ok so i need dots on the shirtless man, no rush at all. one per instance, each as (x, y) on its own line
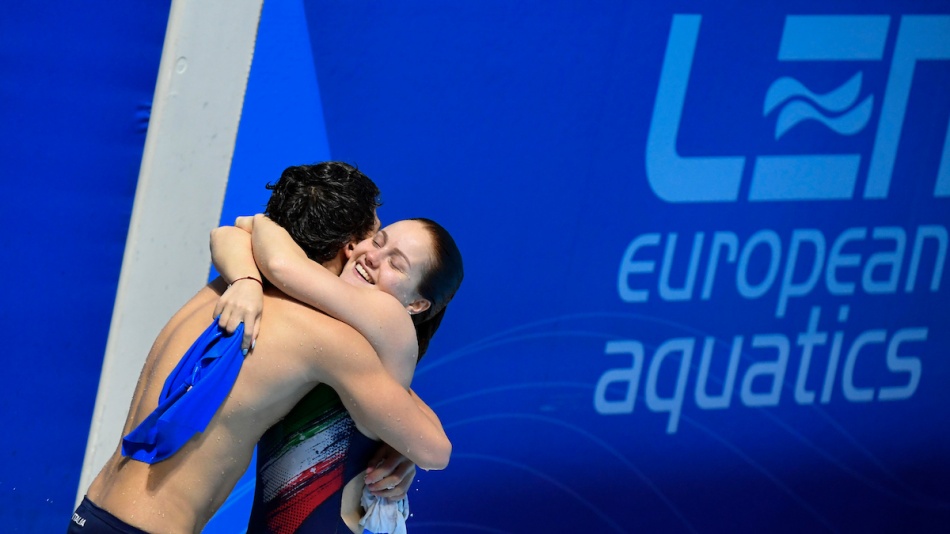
(298, 348)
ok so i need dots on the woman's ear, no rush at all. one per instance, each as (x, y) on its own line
(349, 248)
(418, 306)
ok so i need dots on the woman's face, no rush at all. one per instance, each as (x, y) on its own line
(394, 260)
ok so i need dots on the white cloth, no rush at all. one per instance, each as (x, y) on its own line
(383, 516)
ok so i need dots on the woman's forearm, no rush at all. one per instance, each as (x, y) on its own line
(376, 315)
(277, 255)
(231, 253)
(285, 264)
(244, 302)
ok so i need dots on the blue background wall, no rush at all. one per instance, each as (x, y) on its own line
(570, 370)
(76, 86)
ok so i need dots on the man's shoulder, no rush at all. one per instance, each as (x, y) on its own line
(300, 321)
(325, 349)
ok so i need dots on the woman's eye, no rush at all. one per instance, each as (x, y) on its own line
(396, 265)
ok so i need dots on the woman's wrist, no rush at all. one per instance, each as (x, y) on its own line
(236, 280)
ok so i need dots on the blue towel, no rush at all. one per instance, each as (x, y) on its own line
(191, 396)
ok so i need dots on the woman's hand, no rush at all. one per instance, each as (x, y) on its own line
(245, 223)
(242, 302)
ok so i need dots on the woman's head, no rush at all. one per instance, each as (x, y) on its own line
(439, 284)
(416, 261)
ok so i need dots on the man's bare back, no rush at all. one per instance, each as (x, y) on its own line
(298, 348)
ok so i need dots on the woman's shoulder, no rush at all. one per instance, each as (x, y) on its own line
(392, 335)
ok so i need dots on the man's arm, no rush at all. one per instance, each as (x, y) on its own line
(375, 399)
(425, 409)
(390, 474)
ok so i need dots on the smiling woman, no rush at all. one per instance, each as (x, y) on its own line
(393, 289)
(394, 261)
(411, 266)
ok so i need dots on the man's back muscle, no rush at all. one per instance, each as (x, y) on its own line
(182, 492)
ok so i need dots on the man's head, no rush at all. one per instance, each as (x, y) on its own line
(324, 207)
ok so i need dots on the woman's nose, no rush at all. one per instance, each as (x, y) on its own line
(372, 258)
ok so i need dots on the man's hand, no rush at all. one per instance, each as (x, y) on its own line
(390, 474)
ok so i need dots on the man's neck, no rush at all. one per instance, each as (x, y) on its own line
(335, 264)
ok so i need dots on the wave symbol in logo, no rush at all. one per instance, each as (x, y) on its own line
(798, 106)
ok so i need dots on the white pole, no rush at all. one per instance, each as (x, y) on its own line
(202, 78)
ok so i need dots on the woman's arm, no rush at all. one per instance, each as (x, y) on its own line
(243, 301)
(378, 316)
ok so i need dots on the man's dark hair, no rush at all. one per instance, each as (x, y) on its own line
(324, 206)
